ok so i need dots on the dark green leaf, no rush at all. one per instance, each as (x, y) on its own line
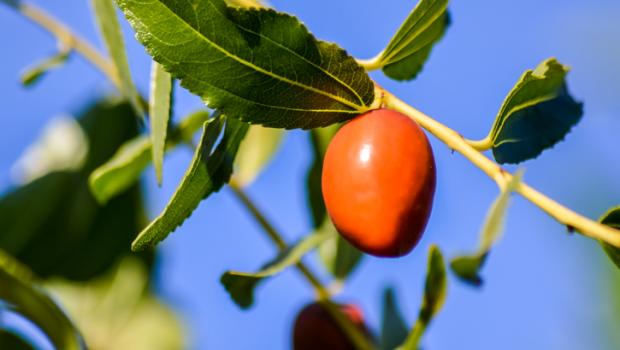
(320, 138)
(35, 73)
(12, 3)
(241, 285)
(434, 296)
(12, 341)
(537, 113)
(339, 256)
(612, 218)
(468, 267)
(409, 49)
(284, 77)
(65, 231)
(22, 295)
(159, 114)
(110, 29)
(124, 168)
(394, 329)
(207, 173)
(258, 147)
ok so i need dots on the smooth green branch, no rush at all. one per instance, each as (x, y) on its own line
(360, 340)
(455, 141)
(67, 38)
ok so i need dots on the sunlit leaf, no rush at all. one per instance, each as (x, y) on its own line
(33, 74)
(124, 168)
(110, 29)
(394, 329)
(116, 311)
(435, 290)
(159, 114)
(61, 146)
(467, 267)
(208, 172)
(23, 295)
(284, 77)
(612, 218)
(258, 147)
(536, 114)
(241, 285)
(405, 55)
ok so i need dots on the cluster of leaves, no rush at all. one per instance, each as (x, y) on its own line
(284, 78)
(56, 236)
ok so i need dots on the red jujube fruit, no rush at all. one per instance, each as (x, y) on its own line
(315, 328)
(378, 182)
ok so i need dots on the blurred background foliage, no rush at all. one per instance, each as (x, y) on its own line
(544, 290)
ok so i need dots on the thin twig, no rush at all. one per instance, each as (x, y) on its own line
(358, 338)
(67, 38)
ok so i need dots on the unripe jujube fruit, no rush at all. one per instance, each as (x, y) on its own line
(378, 182)
(316, 329)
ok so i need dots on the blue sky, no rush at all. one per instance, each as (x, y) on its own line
(544, 289)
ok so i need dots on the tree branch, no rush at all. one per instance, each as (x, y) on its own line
(455, 141)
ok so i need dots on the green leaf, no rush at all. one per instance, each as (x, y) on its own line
(24, 296)
(338, 256)
(284, 77)
(241, 285)
(207, 173)
(468, 267)
(66, 232)
(159, 114)
(394, 329)
(117, 311)
(13, 341)
(405, 55)
(258, 147)
(536, 114)
(110, 29)
(33, 74)
(124, 168)
(434, 296)
(320, 139)
(612, 218)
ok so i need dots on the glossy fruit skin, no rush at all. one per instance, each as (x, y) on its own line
(378, 182)
(315, 328)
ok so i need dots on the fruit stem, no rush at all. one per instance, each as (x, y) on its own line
(67, 38)
(355, 335)
(456, 142)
